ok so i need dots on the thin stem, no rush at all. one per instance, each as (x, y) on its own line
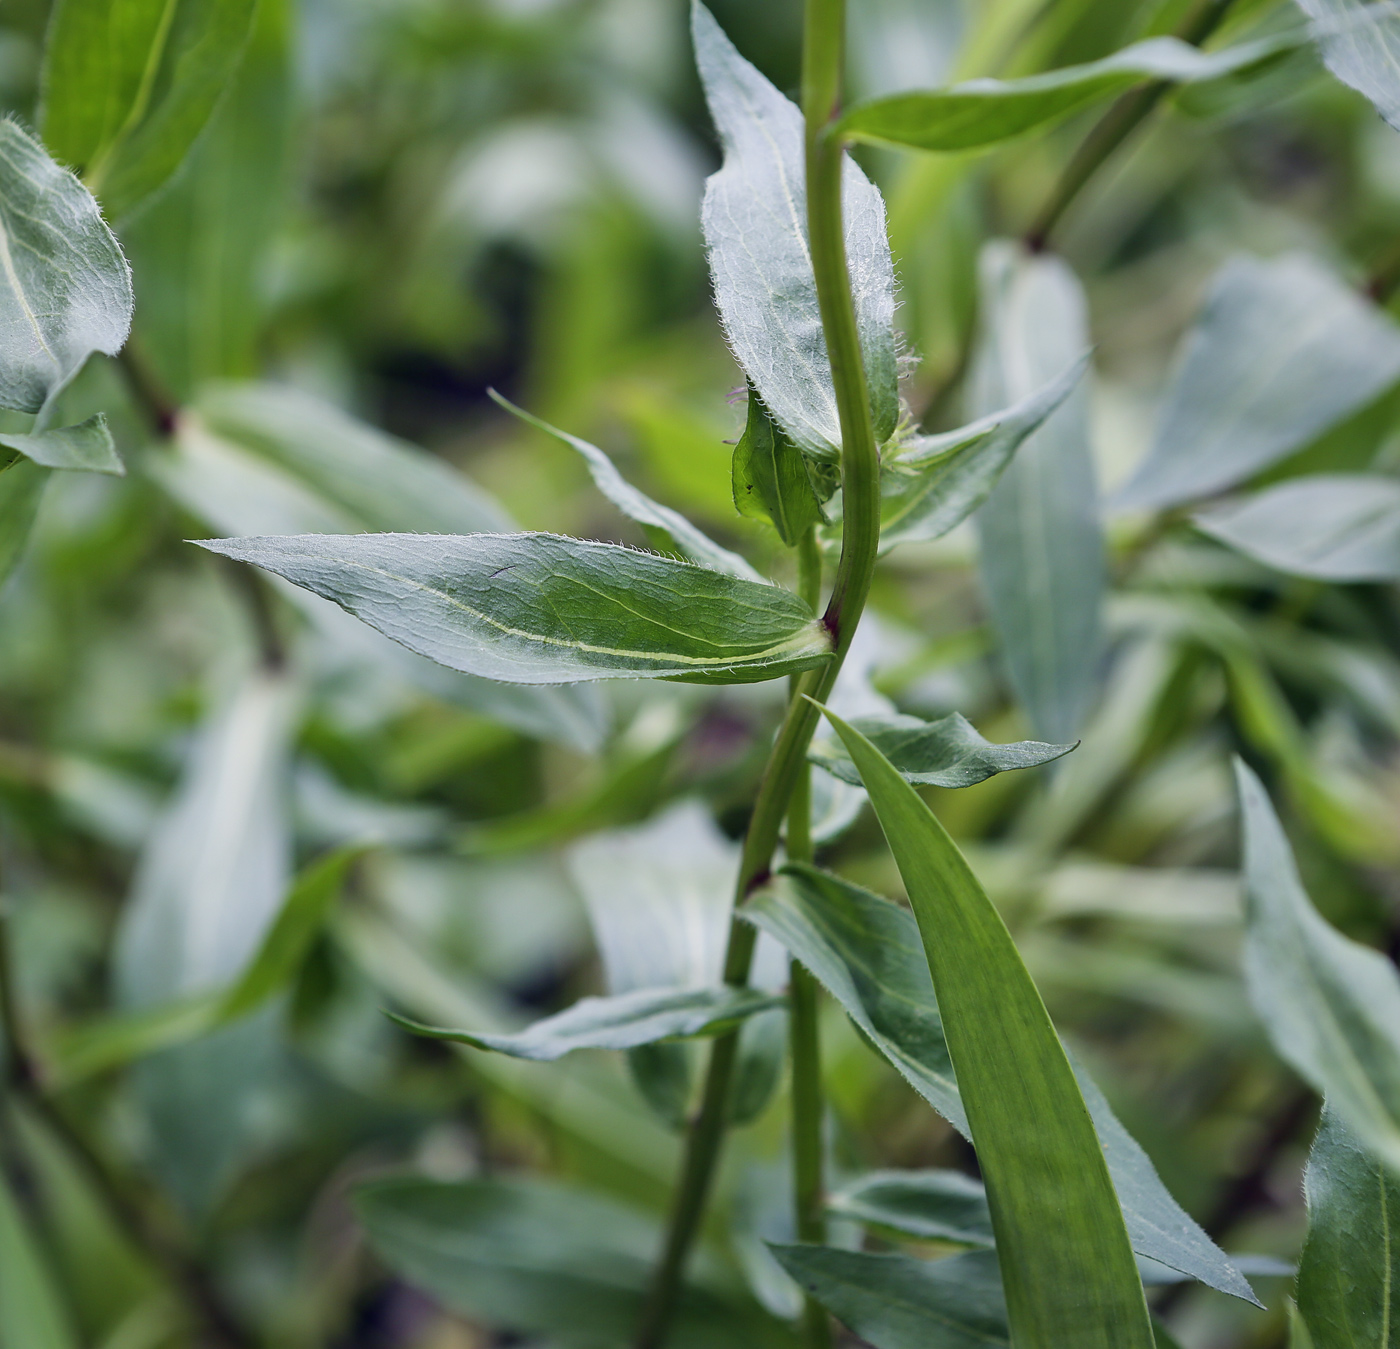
(822, 58)
(1116, 125)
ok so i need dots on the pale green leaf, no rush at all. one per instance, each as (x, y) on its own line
(770, 479)
(541, 1258)
(22, 484)
(1041, 550)
(1331, 1006)
(666, 528)
(930, 1205)
(128, 85)
(1350, 1270)
(868, 954)
(938, 481)
(88, 446)
(623, 1021)
(948, 752)
(985, 111)
(1359, 41)
(755, 221)
(1283, 350)
(893, 1302)
(541, 609)
(1335, 527)
(32, 1314)
(65, 289)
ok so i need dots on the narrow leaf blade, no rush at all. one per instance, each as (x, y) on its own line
(929, 1205)
(87, 446)
(770, 479)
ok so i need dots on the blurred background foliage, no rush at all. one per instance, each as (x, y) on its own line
(403, 202)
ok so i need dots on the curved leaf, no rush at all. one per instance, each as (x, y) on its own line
(1358, 40)
(541, 609)
(942, 1206)
(1335, 527)
(32, 1314)
(770, 479)
(65, 289)
(948, 752)
(88, 446)
(755, 222)
(985, 111)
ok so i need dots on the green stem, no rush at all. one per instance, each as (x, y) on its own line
(822, 59)
(1116, 125)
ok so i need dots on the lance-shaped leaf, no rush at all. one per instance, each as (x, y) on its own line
(1081, 1289)
(755, 222)
(543, 1258)
(32, 1314)
(541, 609)
(938, 481)
(87, 446)
(1351, 1261)
(1333, 526)
(1331, 1006)
(770, 478)
(893, 1302)
(1282, 351)
(128, 85)
(1358, 40)
(624, 1021)
(948, 752)
(666, 528)
(65, 290)
(930, 1205)
(868, 953)
(1041, 551)
(984, 111)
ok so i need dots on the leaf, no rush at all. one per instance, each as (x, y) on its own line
(32, 1314)
(541, 609)
(948, 752)
(893, 1302)
(200, 252)
(366, 479)
(1357, 39)
(930, 1205)
(540, 1257)
(667, 529)
(22, 484)
(770, 479)
(1331, 1006)
(985, 111)
(88, 445)
(128, 85)
(1335, 527)
(1282, 351)
(65, 289)
(1083, 1288)
(1041, 549)
(938, 481)
(755, 222)
(1351, 1260)
(625, 1021)
(868, 954)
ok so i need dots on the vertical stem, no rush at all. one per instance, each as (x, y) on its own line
(823, 51)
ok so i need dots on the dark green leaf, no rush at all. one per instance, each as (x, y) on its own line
(1283, 350)
(623, 1021)
(893, 1302)
(770, 478)
(1358, 42)
(66, 289)
(1331, 1006)
(938, 481)
(541, 609)
(930, 1205)
(984, 111)
(1335, 527)
(22, 484)
(868, 954)
(1351, 1260)
(88, 445)
(538, 1257)
(667, 529)
(948, 752)
(755, 222)
(1041, 551)
(128, 85)
(664, 1073)
(32, 1314)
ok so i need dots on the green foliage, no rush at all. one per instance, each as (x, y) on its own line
(88, 445)
(770, 478)
(31, 1310)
